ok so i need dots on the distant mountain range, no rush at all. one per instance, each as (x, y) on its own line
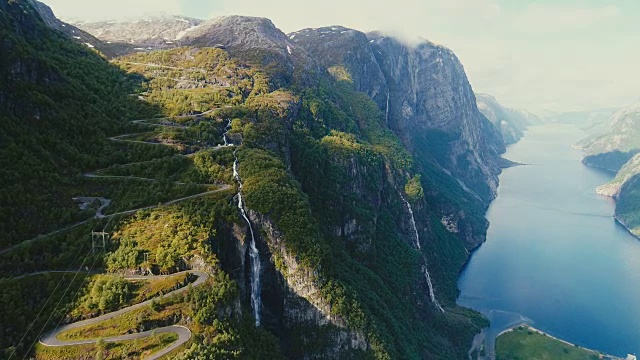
(614, 145)
(512, 123)
(148, 33)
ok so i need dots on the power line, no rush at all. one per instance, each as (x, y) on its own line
(47, 302)
(96, 257)
(56, 288)
(71, 283)
(58, 304)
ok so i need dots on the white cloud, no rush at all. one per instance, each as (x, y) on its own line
(553, 18)
(558, 56)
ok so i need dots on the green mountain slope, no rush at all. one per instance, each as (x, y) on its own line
(616, 149)
(346, 264)
(59, 102)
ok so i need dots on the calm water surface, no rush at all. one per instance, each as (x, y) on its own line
(554, 256)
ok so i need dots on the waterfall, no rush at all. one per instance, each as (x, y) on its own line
(425, 269)
(432, 294)
(254, 255)
(224, 136)
(387, 109)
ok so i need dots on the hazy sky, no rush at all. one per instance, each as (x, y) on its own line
(536, 55)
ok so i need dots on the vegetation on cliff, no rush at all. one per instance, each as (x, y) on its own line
(317, 159)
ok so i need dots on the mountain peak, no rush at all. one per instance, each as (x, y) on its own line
(239, 33)
(151, 31)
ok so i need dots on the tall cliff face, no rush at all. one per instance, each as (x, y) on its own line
(618, 141)
(510, 122)
(432, 93)
(425, 95)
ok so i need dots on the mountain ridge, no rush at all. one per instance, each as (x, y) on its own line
(512, 123)
(364, 188)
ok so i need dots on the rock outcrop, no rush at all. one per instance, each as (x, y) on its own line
(425, 95)
(145, 33)
(510, 122)
(618, 143)
(107, 48)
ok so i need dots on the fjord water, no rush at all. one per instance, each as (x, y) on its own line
(554, 256)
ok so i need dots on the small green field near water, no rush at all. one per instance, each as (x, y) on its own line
(526, 343)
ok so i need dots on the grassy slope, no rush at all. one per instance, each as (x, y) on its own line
(134, 349)
(522, 343)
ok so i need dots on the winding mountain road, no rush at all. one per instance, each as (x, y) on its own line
(184, 334)
(101, 216)
(172, 202)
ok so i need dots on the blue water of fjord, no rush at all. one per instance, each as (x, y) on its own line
(554, 256)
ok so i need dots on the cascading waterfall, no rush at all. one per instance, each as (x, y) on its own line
(224, 136)
(254, 255)
(427, 276)
(387, 109)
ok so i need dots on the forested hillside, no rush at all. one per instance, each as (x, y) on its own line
(59, 104)
(615, 148)
(314, 223)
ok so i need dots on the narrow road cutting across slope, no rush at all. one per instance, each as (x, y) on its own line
(184, 334)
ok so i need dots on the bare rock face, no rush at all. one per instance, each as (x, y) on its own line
(159, 31)
(240, 33)
(257, 40)
(338, 46)
(510, 122)
(298, 301)
(430, 91)
(424, 92)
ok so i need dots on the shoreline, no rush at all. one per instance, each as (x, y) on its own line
(617, 219)
(615, 199)
(484, 334)
(525, 325)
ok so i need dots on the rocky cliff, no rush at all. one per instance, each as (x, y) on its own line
(618, 141)
(108, 48)
(425, 95)
(510, 122)
(147, 33)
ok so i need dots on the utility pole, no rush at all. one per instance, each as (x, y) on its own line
(98, 240)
